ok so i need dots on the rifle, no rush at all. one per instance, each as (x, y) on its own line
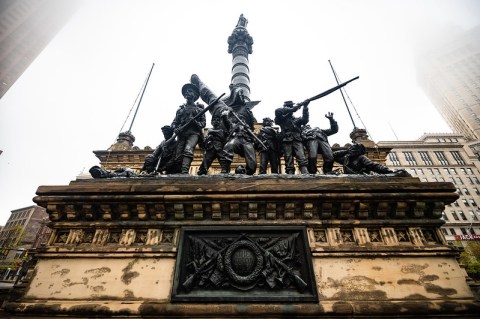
(327, 92)
(299, 281)
(249, 131)
(188, 283)
(167, 142)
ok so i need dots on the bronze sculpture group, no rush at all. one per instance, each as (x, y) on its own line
(232, 133)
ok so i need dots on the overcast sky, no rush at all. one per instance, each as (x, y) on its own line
(76, 95)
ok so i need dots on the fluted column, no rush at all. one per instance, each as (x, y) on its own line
(240, 46)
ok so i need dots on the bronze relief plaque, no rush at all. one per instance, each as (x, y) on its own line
(244, 264)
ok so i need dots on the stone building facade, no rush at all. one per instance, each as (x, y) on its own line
(444, 158)
(25, 229)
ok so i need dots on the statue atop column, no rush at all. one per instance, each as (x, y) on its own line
(240, 46)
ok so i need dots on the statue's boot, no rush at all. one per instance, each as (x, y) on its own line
(303, 170)
(225, 166)
(328, 167)
(187, 161)
(290, 171)
(312, 165)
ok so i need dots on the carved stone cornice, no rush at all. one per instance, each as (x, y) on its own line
(232, 198)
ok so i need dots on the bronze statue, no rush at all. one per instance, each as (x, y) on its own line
(290, 135)
(100, 172)
(241, 138)
(162, 159)
(242, 21)
(316, 141)
(214, 143)
(239, 124)
(354, 161)
(269, 137)
(188, 135)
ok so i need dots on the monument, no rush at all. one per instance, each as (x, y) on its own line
(159, 245)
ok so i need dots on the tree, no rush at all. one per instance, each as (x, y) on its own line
(471, 259)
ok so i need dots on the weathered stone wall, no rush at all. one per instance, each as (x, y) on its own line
(102, 278)
(390, 278)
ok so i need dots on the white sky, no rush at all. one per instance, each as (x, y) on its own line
(76, 95)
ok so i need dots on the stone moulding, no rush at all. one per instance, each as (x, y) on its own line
(242, 198)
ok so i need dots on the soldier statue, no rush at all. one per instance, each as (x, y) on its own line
(162, 159)
(290, 135)
(354, 161)
(240, 138)
(269, 137)
(239, 124)
(316, 141)
(214, 144)
(188, 137)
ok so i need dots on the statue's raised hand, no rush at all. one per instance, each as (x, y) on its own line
(329, 115)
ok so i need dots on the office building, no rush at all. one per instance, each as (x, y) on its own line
(26, 27)
(444, 158)
(449, 73)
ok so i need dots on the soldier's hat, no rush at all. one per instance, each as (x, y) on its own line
(288, 103)
(360, 147)
(167, 128)
(192, 87)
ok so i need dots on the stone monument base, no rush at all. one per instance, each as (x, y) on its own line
(247, 247)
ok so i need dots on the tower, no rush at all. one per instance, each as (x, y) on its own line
(449, 74)
(240, 46)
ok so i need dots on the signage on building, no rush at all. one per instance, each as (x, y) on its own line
(467, 237)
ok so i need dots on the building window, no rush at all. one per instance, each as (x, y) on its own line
(454, 215)
(394, 158)
(445, 171)
(409, 158)
(444, 216)
(464, 201)
(424, 180)
(444, 231)
(413, 172)
(459, 181)
(470, 180)
(453, 171)
(464, 231)
(463, 171)
(452, 231)
(455, 203)
(465, 191)
(462, 216)
(472, 215)
(475, 190)
(434, 179)
(469, 171)
(441, 179)
(437, 171)
(472, 202)
(420, 171)
(425, 158)
(457, 157)
(441, 157)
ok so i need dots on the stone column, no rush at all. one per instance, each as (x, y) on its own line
(240, 46)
